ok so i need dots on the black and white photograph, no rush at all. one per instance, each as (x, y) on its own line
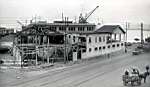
(74, 43)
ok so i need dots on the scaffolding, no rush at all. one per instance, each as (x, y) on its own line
(38, 45)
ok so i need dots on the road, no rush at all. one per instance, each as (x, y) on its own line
(100, 73)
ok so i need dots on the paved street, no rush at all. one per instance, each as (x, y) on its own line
(98, 73)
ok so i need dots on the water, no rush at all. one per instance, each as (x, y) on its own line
(6, 44)
(132, 34)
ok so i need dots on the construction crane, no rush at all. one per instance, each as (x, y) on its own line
(23, 26)
(84, 19)
(20, 23)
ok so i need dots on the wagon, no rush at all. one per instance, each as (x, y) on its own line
(132, 80)
(135, 52)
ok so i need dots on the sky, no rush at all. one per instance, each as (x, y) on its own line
(109, 11)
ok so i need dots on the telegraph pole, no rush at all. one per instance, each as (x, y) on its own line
(65, 53)
(127, 26)
(126, 31)
(142, 41)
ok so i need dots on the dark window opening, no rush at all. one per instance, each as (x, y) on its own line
(95, 39)
(103, 38)
(103, 47)
(90, 49)
(113, 45)
(90, 40)
(73, 38)
(80, 28)
(89, 28)
(100, 48)
(117, 45)
(62, 28)
(69, 36)
(95, 48)
(100, 39)
(84, 50)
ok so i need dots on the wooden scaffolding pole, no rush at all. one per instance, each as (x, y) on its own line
(47, 50)
(36, 47)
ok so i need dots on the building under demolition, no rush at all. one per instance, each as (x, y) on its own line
(5, 31)
(41, 43)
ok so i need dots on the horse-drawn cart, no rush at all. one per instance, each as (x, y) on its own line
(135, 77)
(133, 80)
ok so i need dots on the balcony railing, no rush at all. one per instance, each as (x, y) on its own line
(112, 41)
(82, 43)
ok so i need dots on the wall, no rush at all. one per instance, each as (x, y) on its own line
(99, 45)
(72, 38)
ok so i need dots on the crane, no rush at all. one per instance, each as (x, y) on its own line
(23, 26)
(20, 23)
(84, 19)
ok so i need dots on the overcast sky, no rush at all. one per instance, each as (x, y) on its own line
(110, 11)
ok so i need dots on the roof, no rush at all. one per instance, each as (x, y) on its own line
(62, 24)
(34, 30)
(2, 28)
(109, 29)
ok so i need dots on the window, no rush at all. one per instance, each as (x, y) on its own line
(73, 38)
(90, 40)
(100, 48)
(113, 45)
(73, 28)
(53, 28)
(95, 39)
(84, 50)
(100, 39)
(89, 28)
(108, 38)
(62, 28)
(103, 47)
(69, 29)
(103, 38)
(80, 28)
(95, 48)
(92, 28)
(117, 45)
(69, 36)
(90, 49)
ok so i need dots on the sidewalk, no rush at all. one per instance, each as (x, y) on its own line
(58, 66)
(16, 74)
(70, 63)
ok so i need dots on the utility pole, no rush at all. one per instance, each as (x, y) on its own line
(142, 41)
(126, 31)
(65, 53)
(62, 17)
(127, 26)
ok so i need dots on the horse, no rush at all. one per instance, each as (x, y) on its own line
(144, 76)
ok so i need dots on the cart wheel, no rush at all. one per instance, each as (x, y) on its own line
(139, 82)
(125, 83)
(132, 83)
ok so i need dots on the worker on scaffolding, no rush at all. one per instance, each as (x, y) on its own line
(147, 69)
(126, 73)
(135, 72)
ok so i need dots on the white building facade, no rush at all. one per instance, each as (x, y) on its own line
(102, 42)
